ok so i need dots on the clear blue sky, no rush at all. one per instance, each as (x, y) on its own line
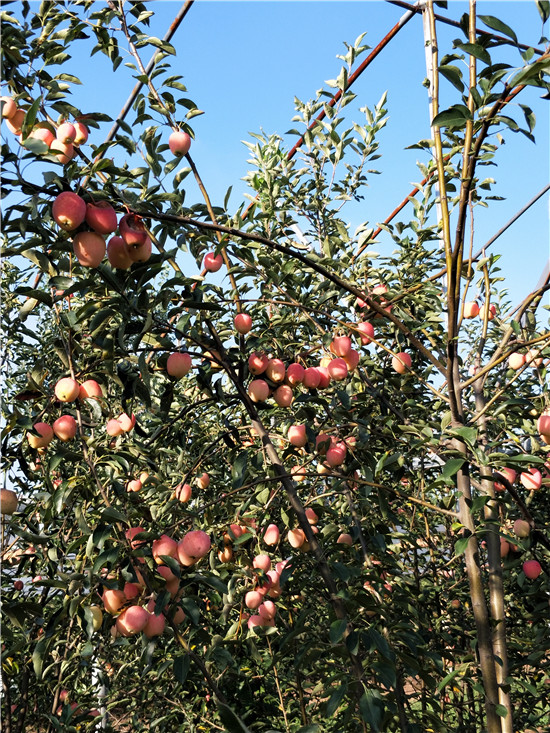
(243, 63)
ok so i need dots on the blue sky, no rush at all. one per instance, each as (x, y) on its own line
(243, 63)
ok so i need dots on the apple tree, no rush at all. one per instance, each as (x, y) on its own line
(257, 476)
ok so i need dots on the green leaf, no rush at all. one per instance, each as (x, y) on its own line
(337, 630)
(469, 435)
(231, 721)
(181, 668)
(454, 75)
(474, 49)
(498, 25)
(238, 470)
(335, 699)
(371, 707)
(452, 466)
(461, 545)
(501, 711)
(455, 116)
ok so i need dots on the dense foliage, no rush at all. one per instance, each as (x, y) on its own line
(404, 605)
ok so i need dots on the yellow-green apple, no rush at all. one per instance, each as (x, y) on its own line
(90, 390)
(65, 427)
(401, 362)
(296, 435)
(89, 248)
(471, 309)
(66, 133)
(242, 322)
(531, 479)
(516, 361)
(82, 133)
(97, 617)
(258, 390)
(69, 210)
(179, 364)
(44, 437)
(212, 262)
(64, 152)
(283, 395)
(8, 501)
(295, 374)
(179, 143)
(9, 108)
(101, 217)
(118, 254)
(311, 378)
(532, 569)
(522, 528)
(67, 389)
(271, 535)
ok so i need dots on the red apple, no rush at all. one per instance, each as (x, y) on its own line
(132, 230)
(471, 309)
(296, 537)
(164, 546)
(82, 133)
(492, 311)
(340, 346)
(212, 262)
(132, 620)
(338, 369)
(531, 479)
(324, 377)
(352, 359)
(257, 363)
(507, 473)
(203, 482)
(15, 122)
(66, 133)
(118, 254)
(367, 332)
(126, 422)
(142, 252)
(89, 248)
(179, 143)
(113, 428)
(64, 152)
(195, 544)
(183, 493)
(275, 370)
(258, 390)
(336, 454)
(113, 600)
(155, 625)
(90, 390)
(345, 539)
(253, 599)
(543, 424)
(262, 562)
(522, 528)
(65, 427)
(242, 322)
(69, 210)
(8, 501)
(67, 389)
(283, 395)
(44, 438)
(311, 378)
(295, 374)
(271, 535)
(297, 435)
(9, 108)
(532, 569)
(401, 362)
(179, 364)
(43, 134)
(516, 361)
(101, 217)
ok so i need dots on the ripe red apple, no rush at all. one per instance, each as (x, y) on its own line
(15, 122)
(18, 584)
(507, 473)
(67, 389)
(471, 309)
(258, 390)
(113, 600)
(522, 528)
(65, 427)
(532, 569)
(132, 620)
(336, 454)
(90, 390)
(132, 230)
(492, 311)
(164, 546)
(43, 134)
(257, 363)
(126, 422)
(532, 357)
(113, 428)
(271, 535)
(155, 625)
(311, 515)
(131, 533)
(516, 361)
(45, 435)
(64, 152)
(101, 217)
(340, 346)
(295, 374)
(352, 359)
(311, 378)
(367, 332)
(179, 143)
(89, 248)
(142, 252)
(183, 493)
(212, 262)
(118, 254)
(203, 482)
(345, 539)
(296, 537)
(179, 364)
(267, 610)
(9, 108)
(401, 362)
(8, 501)
(275, 370)
(543, 424)
(338, 369)
(262, 562)
(298, 473)
(531, 479)
(297, 435)
(66, 133)
(283, 395)
(82, 133)
(134, 485)
(242, 322)
(69, 210)
(504, 547)
(195, 544)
